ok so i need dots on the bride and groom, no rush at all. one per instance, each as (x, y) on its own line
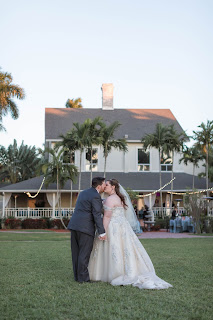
(113, 253)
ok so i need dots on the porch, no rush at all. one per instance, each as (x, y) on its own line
(33, 213)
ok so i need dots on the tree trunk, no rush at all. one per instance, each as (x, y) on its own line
(161, 198)
(207, 168)
(79, 179)
(172, 178)
(59, 201)
(105, 160)
(91, 166)
(70, 193)
(193, 178)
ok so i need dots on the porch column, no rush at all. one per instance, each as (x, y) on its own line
(6, 199)
(150, 206)
(53, 206)
(3, 208)
(150, 202)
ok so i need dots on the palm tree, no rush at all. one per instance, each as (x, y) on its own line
(8, 91)
(72, 174)
(68, 160)
(191, 155)
(74, 103)
(108, 142)
(157, 140)
(210, 173)
(77, 139)
(94, 138)
(174, 143)
(204, 141)
(18, 163)
(55, 171)
(2, 128)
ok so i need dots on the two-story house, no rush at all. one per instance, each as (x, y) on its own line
(136, 169)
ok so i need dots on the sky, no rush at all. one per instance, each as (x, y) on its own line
(157, 54)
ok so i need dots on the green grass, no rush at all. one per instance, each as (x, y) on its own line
(202, 234)
(50, 236)
(37, 282)
(33, 230)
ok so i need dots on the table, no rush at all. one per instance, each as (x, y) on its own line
(184, 224)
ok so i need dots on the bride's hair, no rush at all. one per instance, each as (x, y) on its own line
(115, 183)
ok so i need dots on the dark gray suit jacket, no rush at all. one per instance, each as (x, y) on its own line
(87, 213)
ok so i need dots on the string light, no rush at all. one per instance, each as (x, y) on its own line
(196, 192)
(139, 196)
(29, 194)
(149, 194)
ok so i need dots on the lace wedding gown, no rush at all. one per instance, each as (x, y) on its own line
(122, 259)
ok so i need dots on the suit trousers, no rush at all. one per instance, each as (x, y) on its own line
(81, 247)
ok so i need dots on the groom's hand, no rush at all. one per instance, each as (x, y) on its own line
(102, 237)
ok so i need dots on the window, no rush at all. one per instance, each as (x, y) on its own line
(166, 161)
(94, 159)
(143, 160)
(69, 157)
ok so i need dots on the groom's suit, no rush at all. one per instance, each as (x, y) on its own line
(86, 216)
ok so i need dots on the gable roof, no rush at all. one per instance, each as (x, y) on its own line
(139, 181)
(135, 122)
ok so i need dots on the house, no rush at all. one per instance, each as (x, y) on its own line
(136, 169)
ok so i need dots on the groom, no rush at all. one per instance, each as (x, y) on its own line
(86, 216)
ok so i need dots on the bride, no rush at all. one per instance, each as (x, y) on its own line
(121, 259)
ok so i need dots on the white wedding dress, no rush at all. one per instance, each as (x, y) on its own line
(122, 259)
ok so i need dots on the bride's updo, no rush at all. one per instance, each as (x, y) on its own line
(115, 183)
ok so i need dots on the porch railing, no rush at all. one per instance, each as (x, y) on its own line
(167, 212)
(34, 213)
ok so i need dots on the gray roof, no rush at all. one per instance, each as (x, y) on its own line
(135, 122)
(140, 181)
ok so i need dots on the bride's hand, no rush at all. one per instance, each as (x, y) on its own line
(103, 238)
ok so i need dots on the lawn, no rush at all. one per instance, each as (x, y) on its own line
(37, 282)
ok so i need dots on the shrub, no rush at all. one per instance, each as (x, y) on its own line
(196, 208)
(162, 223)
(12, 223)
(56, 223)
(34, 224)
(208, 225)
(156, 227)
(44, 223)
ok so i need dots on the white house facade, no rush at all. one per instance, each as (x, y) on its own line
(135, 169)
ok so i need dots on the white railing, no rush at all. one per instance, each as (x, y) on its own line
(36, 213)
(167, 212)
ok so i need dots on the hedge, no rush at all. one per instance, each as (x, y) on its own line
(45, 223)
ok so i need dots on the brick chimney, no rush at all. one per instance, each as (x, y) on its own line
(107, 96)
